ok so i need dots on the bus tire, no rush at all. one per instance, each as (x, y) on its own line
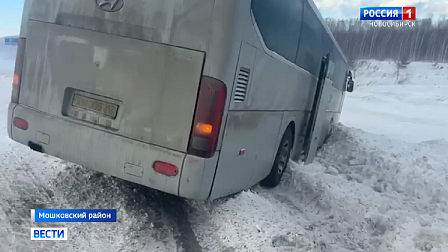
(280, 162)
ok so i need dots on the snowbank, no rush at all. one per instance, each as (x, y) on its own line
(364, 193)
(414, 109)
(371, 72)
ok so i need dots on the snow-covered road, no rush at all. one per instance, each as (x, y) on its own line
(365, 192)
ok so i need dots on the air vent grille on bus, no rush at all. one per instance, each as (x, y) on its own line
(241, 85)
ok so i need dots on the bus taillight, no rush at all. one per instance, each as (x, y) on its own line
(17, 80)
(208, 117)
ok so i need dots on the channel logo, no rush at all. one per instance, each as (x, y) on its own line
(48, 234)
(388, 13)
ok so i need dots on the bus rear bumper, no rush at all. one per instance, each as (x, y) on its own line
(111, 154)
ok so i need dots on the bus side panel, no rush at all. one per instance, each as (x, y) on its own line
(247, 152)
(334, 104)
(25, 16)
(255, 124)
(332, 98)
(197, 177)
(279, 85)
(327, 103)
(276, 87)
(224, 47)
(249, 138)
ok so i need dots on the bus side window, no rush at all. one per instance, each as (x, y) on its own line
(310, 42)
(279, 23)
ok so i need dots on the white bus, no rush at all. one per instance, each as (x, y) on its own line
(196, 98)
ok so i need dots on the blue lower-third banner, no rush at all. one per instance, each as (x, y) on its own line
(73, 215)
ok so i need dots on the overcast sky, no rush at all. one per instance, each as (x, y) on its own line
(350, 8)
(11, 10)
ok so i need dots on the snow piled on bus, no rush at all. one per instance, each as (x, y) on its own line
(365, 192)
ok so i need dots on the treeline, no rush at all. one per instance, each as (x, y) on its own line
(427, 41)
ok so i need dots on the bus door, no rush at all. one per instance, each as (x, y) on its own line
(317, 116)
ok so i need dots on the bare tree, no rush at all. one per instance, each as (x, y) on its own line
(362, 40)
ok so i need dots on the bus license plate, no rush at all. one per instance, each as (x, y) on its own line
(94, 105)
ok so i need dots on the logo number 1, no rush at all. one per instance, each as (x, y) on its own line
(409, 11)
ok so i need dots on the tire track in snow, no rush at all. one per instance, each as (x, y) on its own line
(184, 235)
(148, 220)
(21, 191)
(147, 215)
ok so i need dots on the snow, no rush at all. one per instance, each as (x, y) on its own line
(414, 108)
(387, 196)
(7, 57)
(378, 185)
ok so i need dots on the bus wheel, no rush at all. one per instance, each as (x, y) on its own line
(280, 162)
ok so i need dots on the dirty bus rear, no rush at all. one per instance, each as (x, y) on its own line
(184, 96)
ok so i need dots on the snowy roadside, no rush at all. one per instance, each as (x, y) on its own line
(365, 193)
(413, 110)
